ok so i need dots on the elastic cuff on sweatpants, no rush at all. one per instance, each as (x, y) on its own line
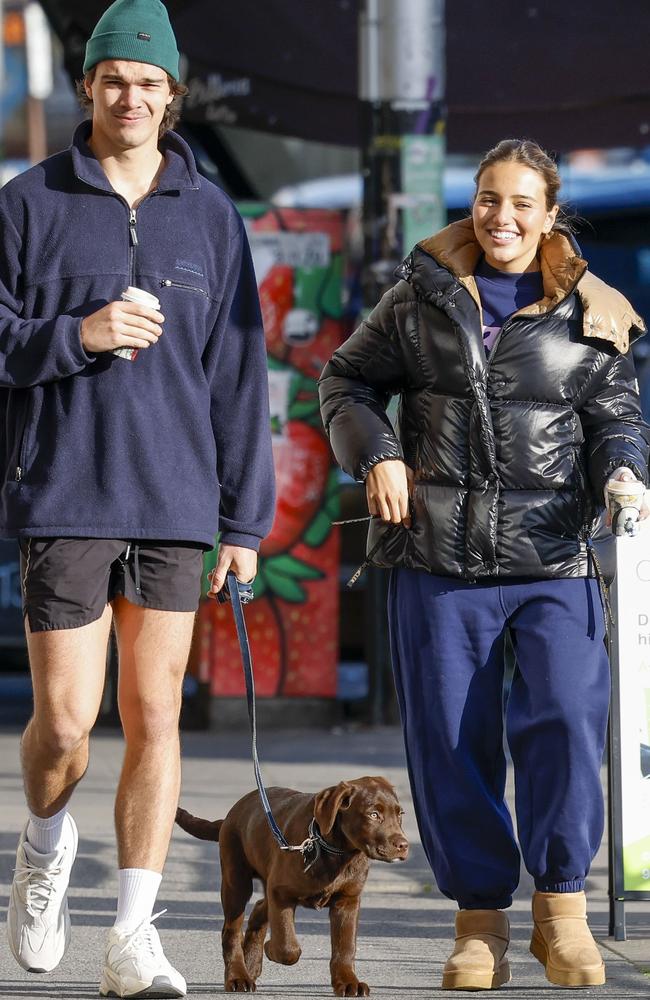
(570, 885)
(501, 903)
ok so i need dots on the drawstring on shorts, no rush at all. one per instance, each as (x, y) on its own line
(136, 564)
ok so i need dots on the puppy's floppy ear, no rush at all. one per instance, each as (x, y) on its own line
(328, 803)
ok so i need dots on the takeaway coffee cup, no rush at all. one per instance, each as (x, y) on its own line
(132, 294)
(624, 500)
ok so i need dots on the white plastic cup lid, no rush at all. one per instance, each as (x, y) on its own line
(132, 294)
(632, 487)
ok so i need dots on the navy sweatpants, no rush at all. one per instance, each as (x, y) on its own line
(447, 643)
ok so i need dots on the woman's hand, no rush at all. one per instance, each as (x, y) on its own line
(625, 475)
(389, 486)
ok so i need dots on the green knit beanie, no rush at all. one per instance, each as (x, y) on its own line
(138, 30)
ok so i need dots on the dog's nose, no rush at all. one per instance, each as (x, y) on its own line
(402, 846)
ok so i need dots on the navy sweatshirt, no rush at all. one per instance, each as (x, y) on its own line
(172, 446)
(502, 294)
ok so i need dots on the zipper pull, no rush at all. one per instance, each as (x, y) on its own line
(165, 283)
(132, 229)
(19, 473)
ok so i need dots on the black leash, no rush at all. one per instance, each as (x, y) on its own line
(240, 594)
(608, 614)
(373, 551)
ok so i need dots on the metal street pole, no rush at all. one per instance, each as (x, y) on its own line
(402, 88)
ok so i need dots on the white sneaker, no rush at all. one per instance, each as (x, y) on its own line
(38, 923)
(135, 965)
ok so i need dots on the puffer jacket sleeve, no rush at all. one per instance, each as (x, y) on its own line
(615, 431)
(355, 388)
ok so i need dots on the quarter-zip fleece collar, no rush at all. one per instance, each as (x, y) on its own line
(178, 174)
(606, 313)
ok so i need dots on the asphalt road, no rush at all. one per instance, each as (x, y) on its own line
(406, 926)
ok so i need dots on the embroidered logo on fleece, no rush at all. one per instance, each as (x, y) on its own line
(143, 36)
(187, 265)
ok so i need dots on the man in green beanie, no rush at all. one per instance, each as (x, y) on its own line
(119, 471)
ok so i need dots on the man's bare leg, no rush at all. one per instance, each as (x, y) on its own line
(68, 669)
(153, 649)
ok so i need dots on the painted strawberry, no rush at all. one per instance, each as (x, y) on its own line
(283, 585)
(276, 300)
(292, 622)
(311, 628)
(266, 636)
(302, 459)
(311, 358)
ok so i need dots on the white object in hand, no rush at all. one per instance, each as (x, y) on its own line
(624, 501)
(133, 294)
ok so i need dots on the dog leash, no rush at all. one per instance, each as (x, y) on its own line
(238, 595)
(373, 551)
(608, 614)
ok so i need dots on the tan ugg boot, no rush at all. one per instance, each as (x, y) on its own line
(478, 960)
(562, 941)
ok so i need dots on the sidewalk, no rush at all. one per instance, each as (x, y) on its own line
(406, 926)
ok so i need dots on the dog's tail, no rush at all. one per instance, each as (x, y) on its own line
(201, 828)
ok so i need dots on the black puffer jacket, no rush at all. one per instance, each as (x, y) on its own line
(510, 455)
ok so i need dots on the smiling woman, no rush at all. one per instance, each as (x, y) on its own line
(510, 216)
(515, 204)
(518, 403)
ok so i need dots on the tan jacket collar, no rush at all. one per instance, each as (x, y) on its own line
(606, 313)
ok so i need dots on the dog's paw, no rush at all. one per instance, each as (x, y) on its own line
(239, 984)
(283, 956)
(354, 988)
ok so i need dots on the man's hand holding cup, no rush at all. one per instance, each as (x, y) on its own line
(626, 501)
(125, 327)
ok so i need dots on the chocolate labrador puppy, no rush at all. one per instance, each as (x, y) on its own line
(338, 829)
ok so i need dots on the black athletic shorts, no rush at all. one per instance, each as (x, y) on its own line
(67, 582)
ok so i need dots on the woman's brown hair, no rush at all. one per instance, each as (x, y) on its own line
(530, 154)
(172, 111)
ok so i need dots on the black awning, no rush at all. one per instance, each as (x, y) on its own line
(567, 74)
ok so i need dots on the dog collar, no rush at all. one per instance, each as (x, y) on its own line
(312, 847)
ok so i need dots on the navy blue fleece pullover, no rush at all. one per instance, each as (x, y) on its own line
(173, 445)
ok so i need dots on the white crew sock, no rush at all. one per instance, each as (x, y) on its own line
(44, 834)
(136, 895)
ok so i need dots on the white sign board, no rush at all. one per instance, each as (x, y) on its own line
(630, 652)
(271, 249)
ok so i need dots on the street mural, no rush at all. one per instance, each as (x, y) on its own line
(293, 621)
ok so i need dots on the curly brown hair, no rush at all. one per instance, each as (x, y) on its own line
(172, 111)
